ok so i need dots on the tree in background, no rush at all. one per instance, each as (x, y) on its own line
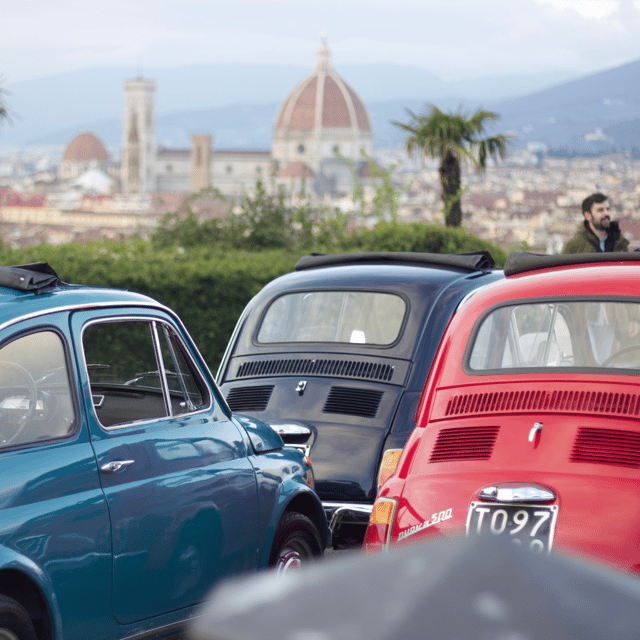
(385, 202)
(263, 220)
(454, 138)
(4, 113)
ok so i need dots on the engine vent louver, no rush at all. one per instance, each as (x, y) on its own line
(353, 402)
(570, 401)
(464, 443)
(312, 366)
(607, 446)
(249, 398)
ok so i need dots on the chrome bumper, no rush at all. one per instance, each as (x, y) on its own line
(344, 513)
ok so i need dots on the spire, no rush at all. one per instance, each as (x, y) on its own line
(323, 65)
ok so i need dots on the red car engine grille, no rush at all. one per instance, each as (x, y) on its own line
(569, 401)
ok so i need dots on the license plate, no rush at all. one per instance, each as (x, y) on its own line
(531, 526)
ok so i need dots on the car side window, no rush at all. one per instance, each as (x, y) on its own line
(35, 394)
(138, 371)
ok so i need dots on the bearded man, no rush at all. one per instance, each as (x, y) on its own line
(597, 232)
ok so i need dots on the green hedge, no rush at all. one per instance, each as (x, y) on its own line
(209, 289)
(420, 237)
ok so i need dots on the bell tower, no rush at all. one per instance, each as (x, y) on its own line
(139, 136)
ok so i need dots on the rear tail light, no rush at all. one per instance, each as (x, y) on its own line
(378, 534)
(388, 465)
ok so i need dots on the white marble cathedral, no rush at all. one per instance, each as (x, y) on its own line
(321, 119)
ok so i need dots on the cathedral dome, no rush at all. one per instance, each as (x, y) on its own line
(84, 148)
(322, 119)
(322, 130)
(322, 100)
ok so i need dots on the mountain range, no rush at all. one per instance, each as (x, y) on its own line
(238, 104)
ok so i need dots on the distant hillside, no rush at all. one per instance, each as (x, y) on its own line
(238, 104)
(561, 115)
(52, 110)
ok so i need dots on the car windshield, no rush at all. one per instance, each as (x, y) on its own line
(364, 317)
(580, 334)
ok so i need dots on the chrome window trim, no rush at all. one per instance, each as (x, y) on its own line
(87, 307)
(163, 370)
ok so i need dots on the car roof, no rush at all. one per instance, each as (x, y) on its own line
(376, 270)
(34, 289)
(474, 261)
(432, 288)
(588, 275)
(524, 262)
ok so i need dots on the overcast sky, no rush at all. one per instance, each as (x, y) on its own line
(454, 39)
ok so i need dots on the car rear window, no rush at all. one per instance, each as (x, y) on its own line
(364, 317)
(564, 333)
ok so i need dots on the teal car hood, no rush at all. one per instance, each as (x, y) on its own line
(263, 437)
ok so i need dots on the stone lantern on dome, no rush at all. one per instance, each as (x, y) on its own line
(319, 119)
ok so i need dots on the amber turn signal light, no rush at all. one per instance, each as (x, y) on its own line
(388, 465)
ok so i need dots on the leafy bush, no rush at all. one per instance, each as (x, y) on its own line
(389, 236)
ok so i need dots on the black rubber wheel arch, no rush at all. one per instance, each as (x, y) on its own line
(295, 528)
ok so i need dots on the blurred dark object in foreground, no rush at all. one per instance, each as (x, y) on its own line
(454, 589)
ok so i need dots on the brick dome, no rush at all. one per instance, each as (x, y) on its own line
(322, 100)
(322, 130)
(84, 148)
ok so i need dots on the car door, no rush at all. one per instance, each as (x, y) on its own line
(180, 489)
(54, 524)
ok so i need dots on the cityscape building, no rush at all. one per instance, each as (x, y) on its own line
(139, 137)
(321, 124)
(321, 131)
(322, 139)
(84, 152)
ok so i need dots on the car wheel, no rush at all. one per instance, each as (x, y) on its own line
(15, 623)
(295, 544)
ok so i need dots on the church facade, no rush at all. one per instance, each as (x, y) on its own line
(321, 131)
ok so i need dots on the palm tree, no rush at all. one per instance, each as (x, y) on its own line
(454, 137)
(4, 114)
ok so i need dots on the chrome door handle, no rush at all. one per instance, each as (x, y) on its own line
(116, 465)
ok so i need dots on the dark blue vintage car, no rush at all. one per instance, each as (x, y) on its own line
(127, 487)
(335, 356)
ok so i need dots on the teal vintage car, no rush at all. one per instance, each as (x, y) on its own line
(127, 487)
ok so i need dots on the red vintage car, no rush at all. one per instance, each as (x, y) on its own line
(528, 427)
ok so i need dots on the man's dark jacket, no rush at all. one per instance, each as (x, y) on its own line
(585, 241)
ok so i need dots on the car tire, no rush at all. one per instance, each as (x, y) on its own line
(295, 543)
(15, 623)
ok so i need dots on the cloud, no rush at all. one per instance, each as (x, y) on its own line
(451, 38)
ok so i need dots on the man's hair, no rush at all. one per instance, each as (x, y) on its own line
(589, 201)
